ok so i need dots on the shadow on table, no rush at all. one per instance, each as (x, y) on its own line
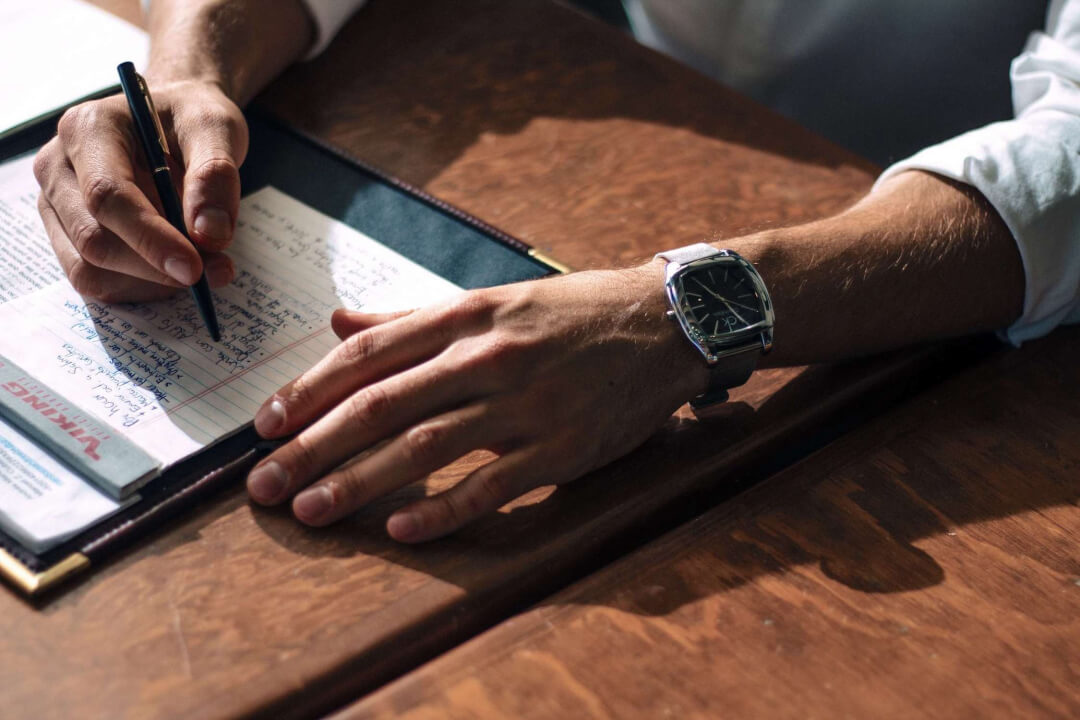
(846, 512)
(415, 79)
(428, 80)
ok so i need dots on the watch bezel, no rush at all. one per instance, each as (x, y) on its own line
(714, 347)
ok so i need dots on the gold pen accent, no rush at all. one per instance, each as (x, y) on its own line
(153, 113)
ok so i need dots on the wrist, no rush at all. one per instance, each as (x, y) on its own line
(174, 76)
(238, 46)
(684, 369)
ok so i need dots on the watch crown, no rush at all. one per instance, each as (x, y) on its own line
(670, 314)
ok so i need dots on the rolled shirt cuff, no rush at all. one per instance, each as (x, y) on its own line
(328, 16)
(1029, 170)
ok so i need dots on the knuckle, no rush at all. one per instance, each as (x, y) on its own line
(351, 490)
(71, 121)
(491, 492)
(302, 455)
(423, 443)
(301, 394)
(368, 405)
(215, 169)
(212, 116)
(498, 357)
(448, 513)
(358, 348)
(43, 163)
(85, 278)
(232, 120)
(223, 120)
(90, 240)
(468, 307)
(100, 191)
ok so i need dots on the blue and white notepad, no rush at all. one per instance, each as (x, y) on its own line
(87, 445)
(143, 386)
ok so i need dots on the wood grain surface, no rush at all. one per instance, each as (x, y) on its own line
(564, 133)
(926, 565)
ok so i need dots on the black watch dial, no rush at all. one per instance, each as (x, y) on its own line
(720, 299)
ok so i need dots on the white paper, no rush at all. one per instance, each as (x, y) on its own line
(55, 52)
(151, 371)
(27, 261)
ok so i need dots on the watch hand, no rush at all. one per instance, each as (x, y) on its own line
(707, 289)
(721, 298)
(732, 302)
(734, 312)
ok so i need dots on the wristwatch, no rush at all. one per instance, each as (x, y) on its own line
(723, 308)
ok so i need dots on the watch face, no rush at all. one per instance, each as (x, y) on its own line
(719, 299)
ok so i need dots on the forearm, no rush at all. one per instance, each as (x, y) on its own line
(239, 45)
(920, 259)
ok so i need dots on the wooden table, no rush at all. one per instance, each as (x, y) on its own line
(925, 565)
(568, 135)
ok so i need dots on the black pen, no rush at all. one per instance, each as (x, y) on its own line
(156, 147)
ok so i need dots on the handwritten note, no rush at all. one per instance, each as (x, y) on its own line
(152, 372)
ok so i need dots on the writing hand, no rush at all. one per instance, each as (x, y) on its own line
(557, 377)
(100, 209)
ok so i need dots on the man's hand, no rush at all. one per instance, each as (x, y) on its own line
(100, 208)
(557, 377)
(562, 376)
(98, 202)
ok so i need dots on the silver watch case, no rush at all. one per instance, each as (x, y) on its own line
(717, 347)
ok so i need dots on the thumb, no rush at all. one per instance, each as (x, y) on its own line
(350, 322)
(213, 146)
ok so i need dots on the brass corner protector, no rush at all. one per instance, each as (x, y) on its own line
(551, 263)
(31, 582)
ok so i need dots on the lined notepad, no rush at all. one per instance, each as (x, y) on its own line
(150, 371)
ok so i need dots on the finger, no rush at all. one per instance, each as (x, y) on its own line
(92, 281)
(411, 456)
(213, 144)
(95, 244)
(484, 490)
(369, 416)
(360, 359)
(220, 269)
(100, 151)
(350, 322)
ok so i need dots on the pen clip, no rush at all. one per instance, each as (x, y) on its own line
(153, 113)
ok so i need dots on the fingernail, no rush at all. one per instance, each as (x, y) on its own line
(313, 504)
(403, 525)
(270, 417)
(213, 223)
(267, 482)
(180, 270)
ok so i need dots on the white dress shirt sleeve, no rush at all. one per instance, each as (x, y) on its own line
(328, 16)
(1028, 168)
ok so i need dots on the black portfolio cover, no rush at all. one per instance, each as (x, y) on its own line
(439, 237)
